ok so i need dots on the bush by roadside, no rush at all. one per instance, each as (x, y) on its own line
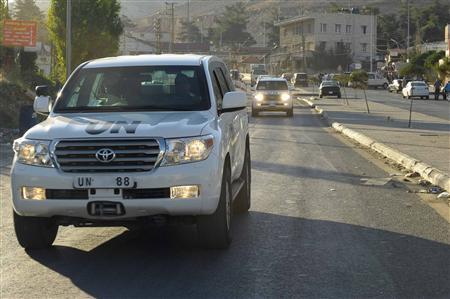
(12, 97)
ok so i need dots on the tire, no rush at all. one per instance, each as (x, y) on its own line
(242, 202)
(215, 230)
(34, 232)
(254, 113)
(408, 97)
(385, 86)
(320, 96)
(290, 112)
(427, 98)
(339, 96)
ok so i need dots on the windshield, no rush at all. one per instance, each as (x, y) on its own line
(272, 85)
(259, 72)
(329, 83)
(149, 88)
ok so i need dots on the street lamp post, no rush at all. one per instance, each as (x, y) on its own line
(68, 38)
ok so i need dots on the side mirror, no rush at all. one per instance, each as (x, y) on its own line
(42, 90)
(42, 104)
(234, 100)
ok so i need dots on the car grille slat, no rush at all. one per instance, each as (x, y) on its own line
(78, 156)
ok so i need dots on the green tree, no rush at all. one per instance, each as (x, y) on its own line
(96, 28)
(231, 27)
(359, 80)
(3, 16)
(272, 31)
(190, 32)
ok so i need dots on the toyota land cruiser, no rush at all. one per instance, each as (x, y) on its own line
(134, 138)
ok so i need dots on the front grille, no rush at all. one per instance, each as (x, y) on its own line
(134, 155)
(273, 98)
(66, 194)
(146, 193)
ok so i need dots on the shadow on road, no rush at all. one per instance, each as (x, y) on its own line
(271, 256)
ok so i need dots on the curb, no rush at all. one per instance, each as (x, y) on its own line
(433, 175)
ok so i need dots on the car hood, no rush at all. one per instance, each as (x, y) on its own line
(121, 124)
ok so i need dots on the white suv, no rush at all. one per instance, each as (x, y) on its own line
(135, 139)
(272, 94)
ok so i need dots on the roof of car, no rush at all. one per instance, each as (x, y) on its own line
(272, 79)
(146, 60)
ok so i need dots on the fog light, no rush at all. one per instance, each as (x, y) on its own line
(285, 104)
(184, 192)
(258, 104)
(34, 193)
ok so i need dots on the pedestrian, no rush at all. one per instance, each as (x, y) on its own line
(437, 89)
(446, 91)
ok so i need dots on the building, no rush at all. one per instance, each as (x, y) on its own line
(301, 36)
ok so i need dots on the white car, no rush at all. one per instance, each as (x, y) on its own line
(416, 89)
(135, 139)
(272, 94)
(375, 80)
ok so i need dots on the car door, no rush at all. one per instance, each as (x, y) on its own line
(228, 121)
(240, 125)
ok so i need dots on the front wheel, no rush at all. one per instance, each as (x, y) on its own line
(34, 232)
(290, 112)
(385, 86)
(254, 113)
(215, 230)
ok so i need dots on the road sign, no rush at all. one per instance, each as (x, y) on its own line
(19, 33)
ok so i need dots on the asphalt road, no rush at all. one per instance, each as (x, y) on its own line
(321, 225)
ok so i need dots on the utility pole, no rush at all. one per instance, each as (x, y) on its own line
(157, 30)
(407, 35)
(172, 22)
(68, 38)
(371, 40)
(188, 11)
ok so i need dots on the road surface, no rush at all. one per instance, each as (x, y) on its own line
(321, 225)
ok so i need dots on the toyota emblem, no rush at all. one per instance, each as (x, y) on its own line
(105, 155)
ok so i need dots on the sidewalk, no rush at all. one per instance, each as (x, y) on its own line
(427, 141)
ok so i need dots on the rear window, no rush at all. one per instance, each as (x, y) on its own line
(149, 88)
(421, 84)
(301, 77)
(272, 85)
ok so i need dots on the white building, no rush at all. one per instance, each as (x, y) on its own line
(301, 36)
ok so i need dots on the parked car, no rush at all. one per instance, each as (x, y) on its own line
(300, 79)
(329, 88)
(416, 89)
(272, 94)
(375, 80)
(132, 140)
(396, 86)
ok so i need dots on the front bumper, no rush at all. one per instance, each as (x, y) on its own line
(272, 106)
(206, 174)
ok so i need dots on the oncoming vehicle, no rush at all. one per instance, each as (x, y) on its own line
(329, 88)
(272, 94)
(255, 74)
(133, 140)
(416, 89)
(300, 79)
(377, 81)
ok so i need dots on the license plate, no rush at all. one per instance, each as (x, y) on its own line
(272, 104)
(330, 92)
(87, 182)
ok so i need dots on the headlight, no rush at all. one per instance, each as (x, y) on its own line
(259, 97)
(186, 150)
(285, 97)
(33, 152)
